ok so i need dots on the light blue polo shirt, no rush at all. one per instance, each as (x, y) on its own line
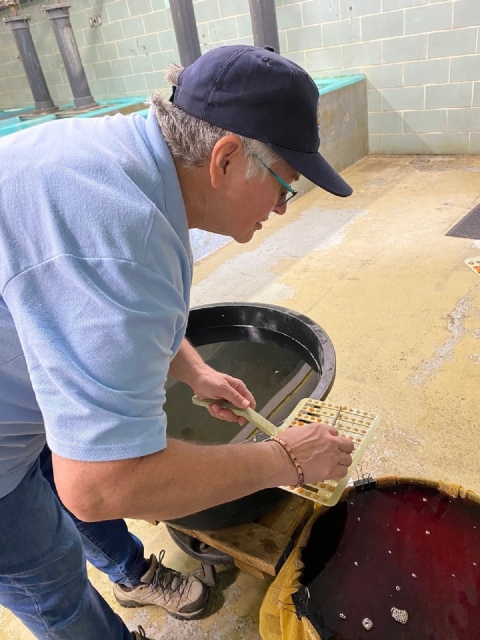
(95, 275)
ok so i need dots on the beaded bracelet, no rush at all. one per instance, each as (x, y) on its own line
(293, 458)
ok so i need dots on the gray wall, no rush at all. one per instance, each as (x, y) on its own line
(421, 57)
(126, 56)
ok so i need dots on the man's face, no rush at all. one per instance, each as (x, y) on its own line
(218, 197)
(259, 197)
(239, 206)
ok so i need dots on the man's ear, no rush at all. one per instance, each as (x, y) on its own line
(226, 155)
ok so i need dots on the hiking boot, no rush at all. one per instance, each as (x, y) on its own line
(138, 635)
(183, 597)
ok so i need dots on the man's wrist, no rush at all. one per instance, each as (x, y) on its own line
(293, 458)
(283, 470)
(195, 372)
(187, 365)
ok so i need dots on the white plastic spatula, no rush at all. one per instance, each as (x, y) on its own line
(249, 414)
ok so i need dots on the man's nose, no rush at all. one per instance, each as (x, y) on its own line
(280, 210)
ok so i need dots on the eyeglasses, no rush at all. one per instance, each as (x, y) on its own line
(284, 198)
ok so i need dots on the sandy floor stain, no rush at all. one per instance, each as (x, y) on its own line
(456, 327)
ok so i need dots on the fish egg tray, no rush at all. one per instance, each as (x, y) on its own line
(474, 264)
(357, 424)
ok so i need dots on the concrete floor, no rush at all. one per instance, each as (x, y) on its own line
(403, 311)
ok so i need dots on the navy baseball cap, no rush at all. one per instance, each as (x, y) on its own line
(257, 93)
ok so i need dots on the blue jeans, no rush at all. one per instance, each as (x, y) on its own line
(43, 576)
(108, 545)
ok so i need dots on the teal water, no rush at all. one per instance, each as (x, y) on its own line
(11, 120)
(325, 85)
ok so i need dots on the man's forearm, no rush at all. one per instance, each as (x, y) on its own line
(186, 364)
(182, 479)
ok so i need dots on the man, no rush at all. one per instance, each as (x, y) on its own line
(94, 283)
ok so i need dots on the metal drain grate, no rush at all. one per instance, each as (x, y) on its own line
(468, 227)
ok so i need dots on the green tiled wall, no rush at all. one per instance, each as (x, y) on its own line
(421, 57)
(118, 56)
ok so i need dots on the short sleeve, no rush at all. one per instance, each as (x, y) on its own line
(98, 336)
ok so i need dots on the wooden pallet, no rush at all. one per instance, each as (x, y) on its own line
(260, 548)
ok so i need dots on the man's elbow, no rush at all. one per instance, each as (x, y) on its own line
(85, 490)
(86, 503)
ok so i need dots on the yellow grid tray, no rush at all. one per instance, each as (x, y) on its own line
(474, 264)
(356, 424)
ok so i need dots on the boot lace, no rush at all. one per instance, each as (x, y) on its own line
(141, 632)
(170, 582)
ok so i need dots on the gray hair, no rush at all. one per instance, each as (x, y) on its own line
(191, 140)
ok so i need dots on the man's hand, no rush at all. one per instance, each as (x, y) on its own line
(188, 367)
(220, 386)
(322, 453)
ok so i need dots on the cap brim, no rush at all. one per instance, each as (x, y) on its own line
(316, 169)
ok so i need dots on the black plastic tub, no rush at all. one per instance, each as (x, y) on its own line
(280, 354)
